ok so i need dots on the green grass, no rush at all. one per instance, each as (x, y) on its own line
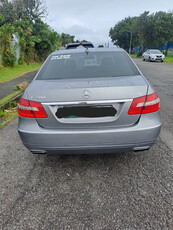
(6, 99)
(168, 59)
(7, 74)
(11, 116)
(10, 113)
(135, 56)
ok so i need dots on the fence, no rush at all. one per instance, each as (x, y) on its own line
(166, 48)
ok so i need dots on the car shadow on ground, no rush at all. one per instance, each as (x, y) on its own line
(81, 163)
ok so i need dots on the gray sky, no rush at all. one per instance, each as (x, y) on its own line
(92, 19)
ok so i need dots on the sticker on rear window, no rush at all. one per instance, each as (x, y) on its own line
(58, 57)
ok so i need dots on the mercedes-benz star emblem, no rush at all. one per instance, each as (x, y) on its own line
(86, 94)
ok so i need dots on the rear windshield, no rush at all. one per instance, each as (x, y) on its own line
(87, 65)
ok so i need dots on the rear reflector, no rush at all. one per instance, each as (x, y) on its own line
(31, 109)
(145, 104)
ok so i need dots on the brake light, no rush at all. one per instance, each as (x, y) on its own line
(145, 104)
(31, 109)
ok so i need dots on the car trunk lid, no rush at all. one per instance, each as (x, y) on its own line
(88, 103)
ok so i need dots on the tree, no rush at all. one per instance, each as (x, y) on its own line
(66, 39)
(8, 53)
(147, 30)
(37, 40)
(29, 9)
(24, 30)
(7, 11)
(143, 28)
(124, 33)
(163, 27)
(47, 40)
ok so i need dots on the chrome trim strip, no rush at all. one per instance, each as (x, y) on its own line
(87, 102)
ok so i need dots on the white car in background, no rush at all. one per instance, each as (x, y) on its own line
(153, 55)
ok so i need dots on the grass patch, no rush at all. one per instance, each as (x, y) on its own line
(135, 56)
(7, 74)
(9, 112)
(8, 117)
(6, 99)
(168, 59)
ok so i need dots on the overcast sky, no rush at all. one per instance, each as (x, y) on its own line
(92, 19)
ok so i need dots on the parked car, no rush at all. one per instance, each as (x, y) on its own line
(87, 101)
(79, 44)
(153, 55)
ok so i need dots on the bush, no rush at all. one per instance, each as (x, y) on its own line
(8, 58)
(139, 54)
(20, 61)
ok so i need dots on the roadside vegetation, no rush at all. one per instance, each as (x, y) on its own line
(8, 105)
(135, 56)
(10, 73)
(22, 20)
(168, 59)
(8, 113)
(10, 116)
(146, 31)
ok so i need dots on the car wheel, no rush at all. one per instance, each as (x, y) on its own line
(150, 59)
(143, 59)
(161, 60)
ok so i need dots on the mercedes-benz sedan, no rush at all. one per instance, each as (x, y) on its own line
(89, 100)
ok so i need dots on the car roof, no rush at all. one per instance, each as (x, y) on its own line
(90, 50)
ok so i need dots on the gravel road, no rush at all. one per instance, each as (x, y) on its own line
(128, 191)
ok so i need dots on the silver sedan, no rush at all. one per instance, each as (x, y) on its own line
(153, 55)
(89, 100)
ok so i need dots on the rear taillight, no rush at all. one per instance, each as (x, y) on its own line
(145, 104)
(31, 109)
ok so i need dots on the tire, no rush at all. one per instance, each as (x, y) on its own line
(161, 60)
(143, 59)
(150, 59)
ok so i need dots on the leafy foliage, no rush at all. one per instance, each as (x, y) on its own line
(66, 39)
(29, 9)
(8, 53)
(46, 40)
(36, 39)
(147, 30)
(124, 32)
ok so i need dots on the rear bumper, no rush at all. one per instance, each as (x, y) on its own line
(137, 137)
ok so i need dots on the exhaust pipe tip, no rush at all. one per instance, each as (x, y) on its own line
(38, 151)
(141, 148)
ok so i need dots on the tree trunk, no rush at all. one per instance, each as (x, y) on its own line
(130, 46)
